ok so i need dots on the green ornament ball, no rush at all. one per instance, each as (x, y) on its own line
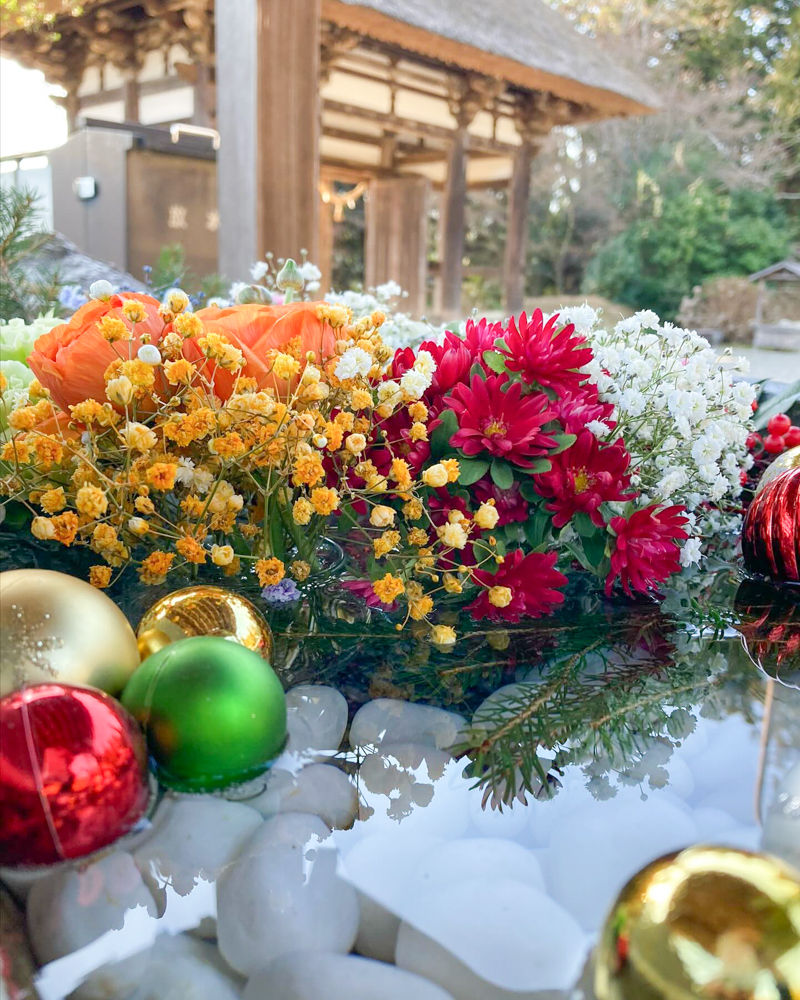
(213, 713)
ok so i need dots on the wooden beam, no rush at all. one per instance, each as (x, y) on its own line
(395, 247)
(324, 259)
(130, 99)
(397, 124)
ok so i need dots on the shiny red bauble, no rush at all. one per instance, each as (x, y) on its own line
(771, 532)
(73, 773)
(792, 437)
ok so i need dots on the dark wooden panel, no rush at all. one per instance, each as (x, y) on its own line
(171, 199)
(395, 246)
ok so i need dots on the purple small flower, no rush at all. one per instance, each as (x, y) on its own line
(72, 298)
(281, 593)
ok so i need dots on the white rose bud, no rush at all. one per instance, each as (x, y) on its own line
(150, 354)
(487, 516)
(222, 555)
(42, 528)
(138, 525)
(435, 476)
(120, 390)
(102, 290)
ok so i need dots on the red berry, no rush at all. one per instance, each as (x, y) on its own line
(792, 437)
(743, 478)
(754, 440)
(774, 444)
(779, 424)
(754, 405)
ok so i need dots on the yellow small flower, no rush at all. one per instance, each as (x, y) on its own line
(487, 516)
(308, 469)
(443, 635)
(500, 597)
(91, 501)
(381, 516)
(418, 411)
(112, 329)
(345, 420)
(325, 501)
(302, 511)
(420, 609)
(138, 437)
(418, 537)
(3, 383)
(435, 476)
(104, 537)
(155, 567)
(222, 555)
(141, 374)
(413, 510)
(134, 311)
(188, 325)
(180, 371)
(300, 570)
(66, 527)
(100, 576)
(385, 543)
(285, 366)
(270, 571)
(49, 450)
(355, 443)
(452, 584)
(23, 419)
(120, 390)
(176, 300)
(388, 588)
(418, 432)
(161, 475)
(228, 446)
(52, 501)
(43, 529)
(452, 468)
(37, 391)
(191, 550)
(401, 473)
(360, 399)
(144, 505)
(138, 526)
(453, 535)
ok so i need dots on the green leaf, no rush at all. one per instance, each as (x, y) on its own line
(477, 369)
(440, 438)
(594, 546)
(537, 528)
(583, 524)
(276, 537)
(16, 514)
(540, 465)
(563, 441)
(502, 474)
(495, 361)
(781, 403)
(472, 469)
(528, 491)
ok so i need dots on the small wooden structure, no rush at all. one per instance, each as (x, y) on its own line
(786, 335)
(403, 95)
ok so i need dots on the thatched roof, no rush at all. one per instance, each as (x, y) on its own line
(524, 42)
(785, 270)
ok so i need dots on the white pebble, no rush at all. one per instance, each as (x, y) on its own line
(106, 904)
(508, 935)
(388, 720)
(320, 789)
(316, 717)
(281, 891)
(310, 975)
(476, 857)
(182, 968)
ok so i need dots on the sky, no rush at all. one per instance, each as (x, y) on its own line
(29, 121)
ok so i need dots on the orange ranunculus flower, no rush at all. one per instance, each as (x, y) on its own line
(71, 358)
(257, 329)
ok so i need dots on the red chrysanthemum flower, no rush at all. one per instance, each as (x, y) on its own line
(510, 504)
(576, 407)
(584, 476)
(532, 580)
(543, 353)
(500, 421)
(478, 337)
(646, 548)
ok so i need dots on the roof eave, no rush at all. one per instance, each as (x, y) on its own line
(389, 30)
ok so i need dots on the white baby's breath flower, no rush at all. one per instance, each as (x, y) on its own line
(354, 362)
(425, 364)
(414, 383)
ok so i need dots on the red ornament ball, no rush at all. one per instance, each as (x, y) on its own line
(792, 437)
(73, 773)
(771, 531)
(774, 444)
(779, 424)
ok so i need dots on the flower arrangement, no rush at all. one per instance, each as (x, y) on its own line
(482, 465)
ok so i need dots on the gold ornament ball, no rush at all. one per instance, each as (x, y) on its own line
(204, 610)
(790, 459)
(55, 627)
(709, 922)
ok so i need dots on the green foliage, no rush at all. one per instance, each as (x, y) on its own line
(25, 290)
(702, 232)
(171, 271)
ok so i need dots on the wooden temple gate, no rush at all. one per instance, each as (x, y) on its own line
(408, 97)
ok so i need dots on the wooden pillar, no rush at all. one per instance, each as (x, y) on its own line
(72, 105)
(519, 190)
(130, 97)
(204, 97)
(396, 239)
(451, 235)
(267, 65)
